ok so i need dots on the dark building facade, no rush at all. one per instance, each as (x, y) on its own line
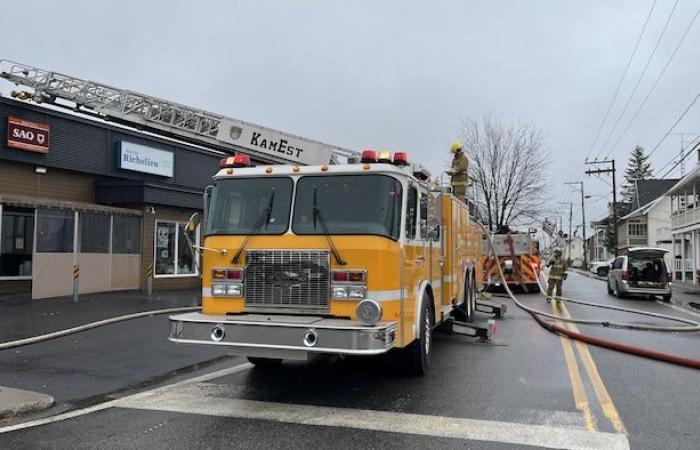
(87, 194)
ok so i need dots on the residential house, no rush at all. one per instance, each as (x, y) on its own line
(649, 223)
(597, 251)
(685, 227)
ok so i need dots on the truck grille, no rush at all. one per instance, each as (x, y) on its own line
(287, 278)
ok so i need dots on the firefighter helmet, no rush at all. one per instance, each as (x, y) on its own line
(456, 147)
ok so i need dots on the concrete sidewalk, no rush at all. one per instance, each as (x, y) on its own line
(14, 402)
(22, 317)
(684, 298)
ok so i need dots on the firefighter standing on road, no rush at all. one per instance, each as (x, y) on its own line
(557, 273)
(459, 172)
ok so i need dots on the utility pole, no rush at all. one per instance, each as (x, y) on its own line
(609, 169)
(583, 219)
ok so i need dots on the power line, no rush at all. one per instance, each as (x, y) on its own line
(690, 105)
(680, 160)
(661, 74)
(622, 79)
(639, 80)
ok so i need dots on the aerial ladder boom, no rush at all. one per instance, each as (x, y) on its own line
(169, 118)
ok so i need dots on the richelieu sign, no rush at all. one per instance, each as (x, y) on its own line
(27, 135)
(140, 158)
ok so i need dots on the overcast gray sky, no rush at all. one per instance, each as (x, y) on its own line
(388, 74)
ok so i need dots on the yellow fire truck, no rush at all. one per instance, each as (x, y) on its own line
(349, 259)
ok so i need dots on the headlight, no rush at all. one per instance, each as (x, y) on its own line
(368, 312)
(234, 290)
(218, 289)
(356, 292)
(340, 292)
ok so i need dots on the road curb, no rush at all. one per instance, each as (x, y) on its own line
(684, 305)
(674, 300)
(588, 274)
(14, 402)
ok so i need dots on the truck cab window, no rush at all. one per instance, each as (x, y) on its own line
(411, 212)
(423, 218)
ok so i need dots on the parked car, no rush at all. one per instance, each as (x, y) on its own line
(642, 271)
(601, 268)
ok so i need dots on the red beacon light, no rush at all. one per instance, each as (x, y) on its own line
(400, 159)
(237, 161)
(368, 156)
(241, 161)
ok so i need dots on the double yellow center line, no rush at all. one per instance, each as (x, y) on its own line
(579, 391)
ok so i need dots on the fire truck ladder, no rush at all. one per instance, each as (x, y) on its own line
(142, 111)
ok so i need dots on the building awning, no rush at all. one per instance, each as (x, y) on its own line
(34, 202)
(130, 192)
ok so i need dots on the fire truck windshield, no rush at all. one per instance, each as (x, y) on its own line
(349, 204)
(238, 204)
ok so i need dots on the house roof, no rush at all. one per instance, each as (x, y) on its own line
(686, 183)
(650, 190)
(644, 209)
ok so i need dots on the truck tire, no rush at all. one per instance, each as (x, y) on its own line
(417, 354)
(264, 362)
(666, 298)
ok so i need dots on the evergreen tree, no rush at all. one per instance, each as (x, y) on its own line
(638, 168)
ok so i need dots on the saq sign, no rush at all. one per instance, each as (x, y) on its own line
(140, 158)
(27, 135)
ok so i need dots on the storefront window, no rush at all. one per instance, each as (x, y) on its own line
(126, 235)
(173, 255)
(16, 242)
(55, 231)
(94, 232)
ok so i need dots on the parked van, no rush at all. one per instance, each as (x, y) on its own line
(642, 271)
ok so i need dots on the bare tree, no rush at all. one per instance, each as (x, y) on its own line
(508, 165)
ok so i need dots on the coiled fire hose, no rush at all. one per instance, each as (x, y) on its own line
(92, 325)
(538, 315)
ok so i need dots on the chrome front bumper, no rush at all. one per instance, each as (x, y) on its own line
(282, 336)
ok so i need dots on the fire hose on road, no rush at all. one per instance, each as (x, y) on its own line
(538, 315)
(93, 325)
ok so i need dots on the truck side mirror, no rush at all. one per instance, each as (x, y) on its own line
(192, 224)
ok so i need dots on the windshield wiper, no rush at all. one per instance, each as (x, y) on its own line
(263, 218)
(317, 213)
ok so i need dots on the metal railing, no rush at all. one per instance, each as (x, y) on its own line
(684, 218)
(679, 264)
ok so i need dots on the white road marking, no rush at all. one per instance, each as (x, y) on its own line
(678, 308)
(216, 400)
(112, 403)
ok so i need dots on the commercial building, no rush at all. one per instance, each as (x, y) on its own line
(96, 198)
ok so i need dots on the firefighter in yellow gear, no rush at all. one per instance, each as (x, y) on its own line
(459, 172)
(557, 274)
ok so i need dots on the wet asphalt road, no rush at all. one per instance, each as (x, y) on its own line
(526, 379)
